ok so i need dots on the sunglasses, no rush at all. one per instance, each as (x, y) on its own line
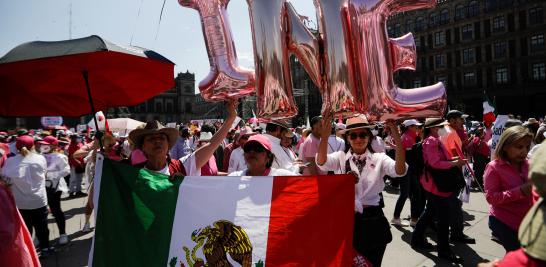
(255, 148)
(361, 135)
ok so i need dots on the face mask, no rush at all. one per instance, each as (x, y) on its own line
(375, 132)
(45, 149)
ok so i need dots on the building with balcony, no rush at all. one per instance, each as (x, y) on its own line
(494, 47)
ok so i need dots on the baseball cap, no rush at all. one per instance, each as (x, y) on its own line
(49, 140)
(408, 123)
(455, 114)
(260, 139)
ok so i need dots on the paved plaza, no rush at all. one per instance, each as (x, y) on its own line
(398, 254)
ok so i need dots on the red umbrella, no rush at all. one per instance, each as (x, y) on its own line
(63, 78)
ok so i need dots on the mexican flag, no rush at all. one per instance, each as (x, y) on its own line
(488, 111)
(145, 219)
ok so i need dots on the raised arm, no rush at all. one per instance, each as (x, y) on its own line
(323, 145)
(203, 154)
(400, 153)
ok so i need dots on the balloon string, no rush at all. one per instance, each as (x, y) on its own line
(160, 16)
(134, 26)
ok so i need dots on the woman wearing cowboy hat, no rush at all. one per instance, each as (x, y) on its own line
(372, 230)
(155, 140)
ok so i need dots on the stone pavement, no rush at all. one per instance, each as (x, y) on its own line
(399, 253)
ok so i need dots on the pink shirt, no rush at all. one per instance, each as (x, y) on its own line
(310, 150)
(210, 168)
(518, 258)
(408, 139)
(436, 156)
(506, 201)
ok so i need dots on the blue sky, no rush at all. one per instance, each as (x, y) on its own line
(179, 37)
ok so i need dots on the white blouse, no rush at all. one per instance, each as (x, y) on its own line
(371, 181)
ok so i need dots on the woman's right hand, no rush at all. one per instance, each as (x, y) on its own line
(326, 126)
(458, 162)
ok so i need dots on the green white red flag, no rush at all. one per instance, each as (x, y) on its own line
(145, 219)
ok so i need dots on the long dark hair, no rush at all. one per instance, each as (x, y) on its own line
(368, 146)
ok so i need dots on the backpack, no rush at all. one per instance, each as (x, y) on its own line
(414, 158)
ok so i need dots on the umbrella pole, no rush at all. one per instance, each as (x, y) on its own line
(86, 78)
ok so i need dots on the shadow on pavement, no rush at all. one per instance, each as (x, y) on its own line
(73, 254)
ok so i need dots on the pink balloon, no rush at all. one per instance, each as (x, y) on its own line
(377, 57)
(226, 79)
(339, 92)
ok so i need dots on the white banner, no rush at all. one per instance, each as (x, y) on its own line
(498, 128)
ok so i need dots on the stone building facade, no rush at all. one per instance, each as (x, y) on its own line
(494, 47)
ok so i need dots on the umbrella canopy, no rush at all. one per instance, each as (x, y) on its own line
(120, 125)
(62, 78)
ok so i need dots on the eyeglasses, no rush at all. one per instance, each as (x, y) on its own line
(255, 148)
(361, 135)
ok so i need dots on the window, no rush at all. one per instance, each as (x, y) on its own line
(416, 83)
(468, 56)
(170, 107)
(469, 78)
(439, 38)
(536, 15)
(490, 5)
(397, 29)
(501, 75)
(158, 107)
(419, 24)
(443, 80)
(417, 43)
(498, 24)
(410, 26)
(537, 42)
(468, 32)
(539, 72)
(473, 9)
(500, 49)
(390, 31)
(440, 61)
(459, 12)
(187, 88)
(444, 17)
(433, 19)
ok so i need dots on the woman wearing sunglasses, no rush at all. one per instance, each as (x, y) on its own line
(259, 158)
(372, 230)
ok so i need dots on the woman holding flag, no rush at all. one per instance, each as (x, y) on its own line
(371, 229)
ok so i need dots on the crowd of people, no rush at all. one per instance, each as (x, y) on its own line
(416, 156)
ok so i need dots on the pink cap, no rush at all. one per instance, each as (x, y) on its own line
(49, 140)
(260, 139)
(24, 141)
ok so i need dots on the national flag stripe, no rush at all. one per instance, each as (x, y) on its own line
(134, 217)
(311, 222)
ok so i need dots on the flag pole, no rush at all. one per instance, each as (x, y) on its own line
(86, 78)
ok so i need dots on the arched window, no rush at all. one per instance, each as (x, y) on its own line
(433, 19)
(444, 16)
(419, 24)
(473, 9)
(410, 26)
(459, 12)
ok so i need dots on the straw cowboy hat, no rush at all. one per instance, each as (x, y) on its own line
(152, 127)
(435, 122)
(357, 122)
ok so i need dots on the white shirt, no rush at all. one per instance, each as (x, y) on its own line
(272, 172)
(282, 160)
(378, 145)
(27, 176)
(237, 160)
(335, 144)
(371, 181)
(189, 165)
(57, 169)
